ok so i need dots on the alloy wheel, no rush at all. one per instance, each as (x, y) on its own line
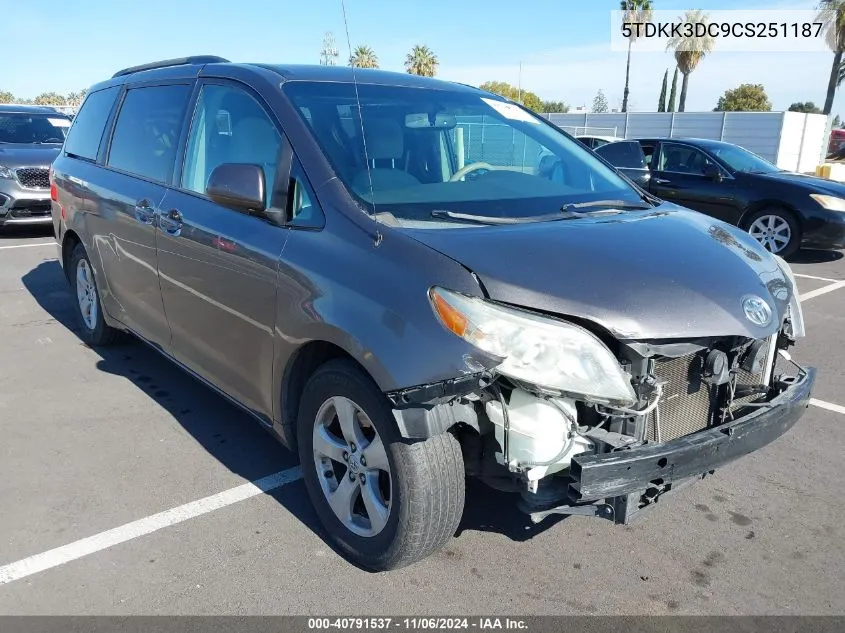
(352, 466)
(772, 231)
(86, 294)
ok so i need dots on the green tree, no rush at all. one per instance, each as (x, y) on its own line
(421, 61)
(674, 92)
(6, 97)
(661, 102)
(49, 98)
(633, 12)
(809, 107)
(600, 102)
(554, 107)
(832, 15)
(506, 90)
(745, 98)
(76, 98)
(363, 57)
(689, 51)
(837, 122)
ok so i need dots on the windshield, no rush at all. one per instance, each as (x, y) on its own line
(25, 127)
(740, 159)
(441, 150)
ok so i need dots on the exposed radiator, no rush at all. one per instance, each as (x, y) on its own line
(685, 405)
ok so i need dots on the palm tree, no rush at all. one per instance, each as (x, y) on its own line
(421, 61)
(689, 51)
(633, 12)
(363, 57)
(832, 15)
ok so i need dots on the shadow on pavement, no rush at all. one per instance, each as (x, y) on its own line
(25, 232)
(234, 438)
(808, 256)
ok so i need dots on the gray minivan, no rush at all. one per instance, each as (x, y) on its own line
(411, 281)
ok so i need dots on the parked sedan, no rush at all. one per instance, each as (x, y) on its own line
(783, 210)
(628, 157)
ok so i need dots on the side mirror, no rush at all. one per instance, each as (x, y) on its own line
(238, 186)
(712, 171)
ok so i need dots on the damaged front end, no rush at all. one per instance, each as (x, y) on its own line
(579, 424)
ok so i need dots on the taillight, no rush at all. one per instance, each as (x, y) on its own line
(54, 192)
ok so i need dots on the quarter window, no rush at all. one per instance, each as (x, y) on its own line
(229, 126)
(147, 131)
(85, 134)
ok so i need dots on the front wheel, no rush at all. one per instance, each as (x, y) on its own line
(385, 502)
(776, 230)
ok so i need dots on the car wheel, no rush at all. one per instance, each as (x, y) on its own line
(776, 230)
(94, 332)
(384, 501)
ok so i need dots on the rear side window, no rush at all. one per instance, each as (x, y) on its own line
(628, 155)
(85, 134)
(147, 131)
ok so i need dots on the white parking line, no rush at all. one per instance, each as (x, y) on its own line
(837, 408)
(141, 527)
(814, 277)
(821, 291)
(3, 248)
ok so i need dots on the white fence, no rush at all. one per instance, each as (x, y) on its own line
(792, 140)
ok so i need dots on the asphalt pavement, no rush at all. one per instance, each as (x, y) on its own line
(125, 489)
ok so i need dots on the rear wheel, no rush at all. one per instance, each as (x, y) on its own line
(385, 502)
(94, 332)
(777, 230)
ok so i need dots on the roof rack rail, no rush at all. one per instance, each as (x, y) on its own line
(178, 61)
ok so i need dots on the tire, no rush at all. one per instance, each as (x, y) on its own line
(94, 330)
(769, 226)
(421, 495)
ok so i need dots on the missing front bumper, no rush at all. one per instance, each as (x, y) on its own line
(625, 472)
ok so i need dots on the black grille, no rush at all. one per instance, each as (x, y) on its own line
(685, 405)
(34, 177)
(30, 208)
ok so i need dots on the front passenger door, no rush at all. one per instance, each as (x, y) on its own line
(680, 177)
(218, 266)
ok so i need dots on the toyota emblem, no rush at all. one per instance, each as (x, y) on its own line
(757, 310)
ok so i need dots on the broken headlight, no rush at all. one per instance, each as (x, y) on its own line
(795, 314)
(535, 349)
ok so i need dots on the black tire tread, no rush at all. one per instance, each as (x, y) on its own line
(429, 474)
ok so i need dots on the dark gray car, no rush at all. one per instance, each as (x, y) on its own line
(340, 254)
(30, 138)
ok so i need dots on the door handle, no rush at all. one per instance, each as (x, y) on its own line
(171, 222)
(661, 181)
(144, 213)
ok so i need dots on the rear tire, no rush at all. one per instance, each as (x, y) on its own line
(776, 229)
(420, 484)
(89, 310)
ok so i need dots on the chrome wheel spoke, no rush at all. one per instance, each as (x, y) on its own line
(376, 456)
(347, 417)
(377, 510)
(326, 445)
(343, 498)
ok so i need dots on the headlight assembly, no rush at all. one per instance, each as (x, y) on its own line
(534, 349)
(795, 312)
(831, 203)
(5, 172)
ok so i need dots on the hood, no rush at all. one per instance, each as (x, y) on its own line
(813, 184)
(28, 155)
(657, 274)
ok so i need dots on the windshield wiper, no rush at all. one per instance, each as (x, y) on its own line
(613, 205)
(494, 220)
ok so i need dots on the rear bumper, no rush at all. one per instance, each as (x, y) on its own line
(634, 471)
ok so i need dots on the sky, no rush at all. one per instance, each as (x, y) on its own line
(563, 45)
